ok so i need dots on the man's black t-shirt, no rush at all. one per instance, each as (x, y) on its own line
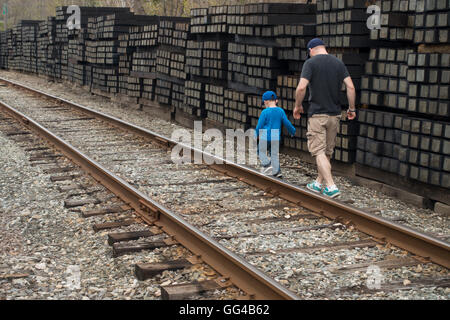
(325, 74)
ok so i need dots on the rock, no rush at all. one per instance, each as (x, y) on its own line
(40, 266)
(25, 212)
(166, 283)
(20, 282)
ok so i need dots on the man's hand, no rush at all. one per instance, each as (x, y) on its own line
(351, 96)
(351, 114)
(297, 112)
(299, 97)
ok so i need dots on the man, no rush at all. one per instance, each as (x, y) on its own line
(324, 74)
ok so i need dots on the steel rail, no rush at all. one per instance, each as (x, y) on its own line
(233, 268)
(421, 244)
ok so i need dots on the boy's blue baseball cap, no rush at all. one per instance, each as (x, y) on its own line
(315, 43)
(269, 95)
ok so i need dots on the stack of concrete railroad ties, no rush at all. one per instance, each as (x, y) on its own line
(405, 129)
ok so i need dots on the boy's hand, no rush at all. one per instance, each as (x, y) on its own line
(297, 112)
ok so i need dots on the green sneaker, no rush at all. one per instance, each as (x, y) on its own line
(314, 186)
(332, 194)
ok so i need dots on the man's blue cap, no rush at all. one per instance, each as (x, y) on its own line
(269, 95)
(315, 43)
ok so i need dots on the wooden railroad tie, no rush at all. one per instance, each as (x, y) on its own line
(64, 178)
(79, 203)
(128, 236)
(112, 225)
(124, 248)
(383, 264)
(104, 211)
(17, 133)
(184, 291)
(60, 170)
(146, 271)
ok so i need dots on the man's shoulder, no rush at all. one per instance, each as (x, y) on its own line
(324, 58)
(336, 60)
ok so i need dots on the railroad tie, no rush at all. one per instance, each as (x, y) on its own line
(43, 157)
(22, 138)
(79, 203)
(383, 264)
(37, 159)
(17, 133)
(59, 170)
(146, 271)
(183, 291)
(128, 236)
(124, 248)
(104, 211)
(311, 249)
(70, 187)
(112, 225)
(63, 178)
(36, 149)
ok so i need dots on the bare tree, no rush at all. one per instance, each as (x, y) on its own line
(137, 7)
(41, 9)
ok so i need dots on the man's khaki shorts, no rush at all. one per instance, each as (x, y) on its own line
(322, 132)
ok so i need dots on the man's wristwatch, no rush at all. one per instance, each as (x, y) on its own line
(349, 110)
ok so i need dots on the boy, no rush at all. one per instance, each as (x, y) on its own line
(269, 132)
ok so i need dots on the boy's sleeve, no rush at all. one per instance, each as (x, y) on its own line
(288, 124)
(260, 124)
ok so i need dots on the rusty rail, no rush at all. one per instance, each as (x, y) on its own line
(419, 243)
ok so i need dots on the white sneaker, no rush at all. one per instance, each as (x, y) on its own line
(268, 170)
(314, 186)
(331, 192)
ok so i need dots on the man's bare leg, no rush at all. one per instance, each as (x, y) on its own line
(320, 178)
(324, 169)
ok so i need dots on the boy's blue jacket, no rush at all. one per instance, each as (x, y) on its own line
(273, 119)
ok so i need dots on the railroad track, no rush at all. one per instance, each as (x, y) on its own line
(276, 220)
